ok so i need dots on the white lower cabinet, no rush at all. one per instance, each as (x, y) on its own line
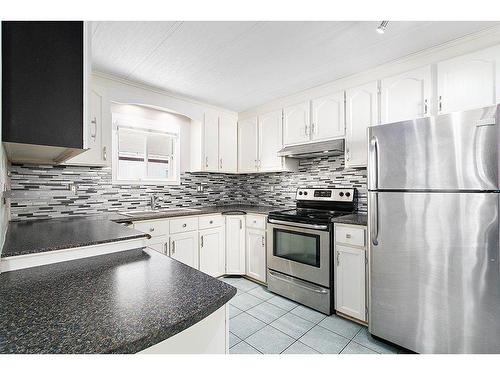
(161, 247)
(212, 251)
(256, 254)
(184, 248)
(350, 272)
(235, 244)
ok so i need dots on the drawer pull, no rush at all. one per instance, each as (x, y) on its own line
(347, 235)
(151, 229)
(184, 225)
(211, 222)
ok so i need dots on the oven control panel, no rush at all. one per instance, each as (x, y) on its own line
(337, 194)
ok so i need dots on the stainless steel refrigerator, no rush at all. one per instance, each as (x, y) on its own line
(433, 204)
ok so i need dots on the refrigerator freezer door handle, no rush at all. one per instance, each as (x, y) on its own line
(374, 218)
(373, 163)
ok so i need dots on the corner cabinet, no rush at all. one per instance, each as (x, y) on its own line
(469, 81)
(259, 141)
(256, 247)
(350, 271)
(235, 244)
(406, 96)
(212, 254)
(361, 112)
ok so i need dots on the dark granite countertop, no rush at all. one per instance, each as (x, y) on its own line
(355, 219)
(37, 236)
(116, 303)
(264, 210)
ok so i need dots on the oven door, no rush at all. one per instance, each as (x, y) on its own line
(299, 250)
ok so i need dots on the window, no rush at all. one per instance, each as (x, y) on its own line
(144, 154)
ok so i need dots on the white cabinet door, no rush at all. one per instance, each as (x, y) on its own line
(361, 112)
(228, 144)
(270, 141)
(184, 248)
(469, 81)
(296, 123)
(235, 244)
(350, 282)
(256, 254)
(212, 254)
(406, 96)
(95, 155)
(211, 142)
(328, 117)
(247, 145)
(161, 247)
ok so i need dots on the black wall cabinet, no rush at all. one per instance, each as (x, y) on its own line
(43, 83)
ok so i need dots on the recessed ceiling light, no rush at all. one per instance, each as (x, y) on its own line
(382, 27)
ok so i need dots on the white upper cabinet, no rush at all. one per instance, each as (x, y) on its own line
(270, 141)
(247, 145)
(406, 96)
(211, 142)
(97, 153)
(469, 81)
(361, 112)
(328, 117)
(296, 123)
(228, 144)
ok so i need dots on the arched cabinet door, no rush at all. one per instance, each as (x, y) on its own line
(406, 96)
(361, 112)
(328, 117)
(469, 81)
(296, 123)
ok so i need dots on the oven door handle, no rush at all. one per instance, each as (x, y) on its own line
(298, 283)
(298, 225)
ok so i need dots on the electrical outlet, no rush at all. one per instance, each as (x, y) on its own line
(272, 188)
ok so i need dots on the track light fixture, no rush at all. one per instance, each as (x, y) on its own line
(382, 27)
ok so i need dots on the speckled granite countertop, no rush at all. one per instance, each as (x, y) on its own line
(119, 217)
(117, 303)
(29, 237)
(355, 219)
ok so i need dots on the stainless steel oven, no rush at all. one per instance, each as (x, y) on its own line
(299, 246)
(300, 250)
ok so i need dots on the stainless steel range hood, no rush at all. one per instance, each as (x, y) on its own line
(311, 150)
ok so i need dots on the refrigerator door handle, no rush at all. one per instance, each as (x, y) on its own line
(373, 163)
(374, 218)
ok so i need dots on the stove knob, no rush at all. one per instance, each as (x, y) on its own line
(341, 194)
(347, 194)
(300, 193)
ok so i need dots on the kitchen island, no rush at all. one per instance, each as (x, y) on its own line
(125, 302)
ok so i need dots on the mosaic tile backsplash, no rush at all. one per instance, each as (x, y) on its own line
(48, 195)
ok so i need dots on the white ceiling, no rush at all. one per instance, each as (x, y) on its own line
(239, 65)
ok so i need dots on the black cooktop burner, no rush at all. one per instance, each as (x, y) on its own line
(308, 215)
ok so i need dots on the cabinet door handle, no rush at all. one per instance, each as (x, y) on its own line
(184, 225)
(440, 103)
(173, 247)
(201, 245)
(151, 229)
(348, 154)
(338, 258)
(166, 248)
(211, 222)
(425, 107)
(348, 235)
(104, 154)
(206, 161)
(241, 224)
(94, 133)
(312, 128)
(263, 241)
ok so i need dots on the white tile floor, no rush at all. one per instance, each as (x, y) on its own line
(264, 323)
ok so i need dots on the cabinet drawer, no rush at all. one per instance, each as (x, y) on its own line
(154, 228)
(184, 224)
(212, 221)
(350, 235)
(256, 221)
